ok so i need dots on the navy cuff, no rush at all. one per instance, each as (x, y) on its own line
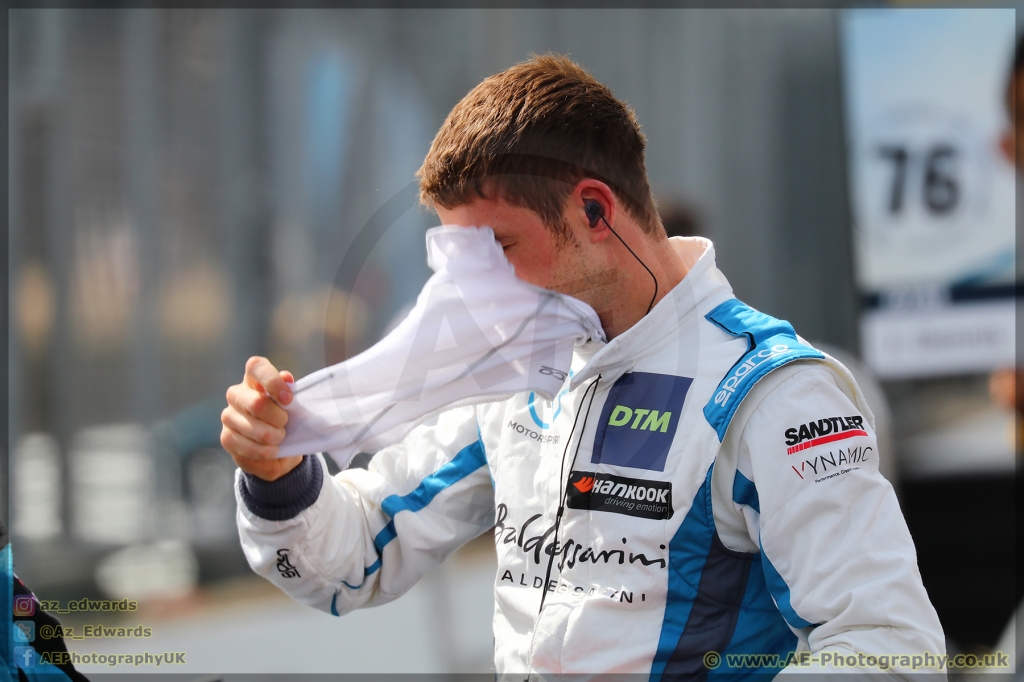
(286, 497)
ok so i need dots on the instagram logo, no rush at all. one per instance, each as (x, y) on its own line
(24, 605)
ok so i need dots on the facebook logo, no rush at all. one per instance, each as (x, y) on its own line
(24, 656)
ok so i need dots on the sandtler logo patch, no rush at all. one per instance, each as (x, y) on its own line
(620, 495)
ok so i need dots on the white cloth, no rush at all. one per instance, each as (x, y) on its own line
(477, 334)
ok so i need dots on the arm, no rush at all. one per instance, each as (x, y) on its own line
(836, 552)
(364, 537)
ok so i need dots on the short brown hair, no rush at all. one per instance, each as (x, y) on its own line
(531, 133)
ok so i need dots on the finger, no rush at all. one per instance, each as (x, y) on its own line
(239, 446)
(253, 429)
(287, 376)
(251, 367)
(246, 399)
(260, 373)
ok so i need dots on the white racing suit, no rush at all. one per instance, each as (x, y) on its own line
(705, 485)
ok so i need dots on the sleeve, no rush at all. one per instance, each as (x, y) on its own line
(836, 552)
(364, 537)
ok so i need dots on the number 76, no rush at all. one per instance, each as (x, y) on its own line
(941, 189)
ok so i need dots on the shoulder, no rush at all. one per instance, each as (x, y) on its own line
(793, 405)
(796, 383)
(772, 344)
(804, 386)
(789, 396)
(788, 399)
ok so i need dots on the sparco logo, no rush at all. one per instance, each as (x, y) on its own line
(552, 372)
(284, 566)
(620, 495)
(728, 386)
(530, 433)
(827, 430)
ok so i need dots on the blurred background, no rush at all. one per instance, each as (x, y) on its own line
(188, 188)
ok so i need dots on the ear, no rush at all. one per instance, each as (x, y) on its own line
(587, 190)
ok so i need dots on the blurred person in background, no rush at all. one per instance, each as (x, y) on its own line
(1003, 383)
(681, 219)
(706, 484)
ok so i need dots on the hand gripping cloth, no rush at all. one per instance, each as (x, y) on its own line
(477, 334)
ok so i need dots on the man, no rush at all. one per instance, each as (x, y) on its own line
(704, 485)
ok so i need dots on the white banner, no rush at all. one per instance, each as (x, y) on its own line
(932, 194)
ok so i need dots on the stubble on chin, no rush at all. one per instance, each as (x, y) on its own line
(580, 279)
(592, 286)
(596, 288)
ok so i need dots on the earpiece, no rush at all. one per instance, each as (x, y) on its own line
(594, 211)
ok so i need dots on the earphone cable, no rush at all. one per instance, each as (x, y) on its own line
(562, 492)
(653, 298)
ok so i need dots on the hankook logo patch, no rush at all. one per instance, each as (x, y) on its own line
(619, 495)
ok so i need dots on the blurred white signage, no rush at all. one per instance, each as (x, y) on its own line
(932, 195)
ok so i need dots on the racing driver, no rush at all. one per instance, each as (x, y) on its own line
(705, 484)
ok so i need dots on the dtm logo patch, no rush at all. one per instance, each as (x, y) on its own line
(639, 420)
(619, 495)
